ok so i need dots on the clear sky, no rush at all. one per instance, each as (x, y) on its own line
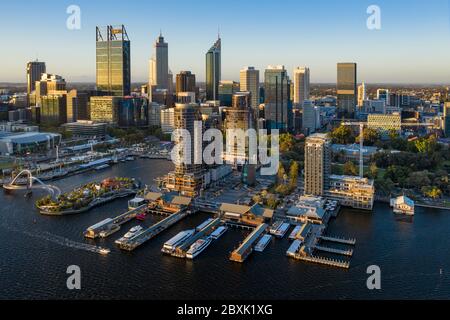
(413, 45)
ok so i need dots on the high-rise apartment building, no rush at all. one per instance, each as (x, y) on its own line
(278, 107)
(317, 164)
(187, 178)
(346, 89)
(301, 85)
(239, 119)
(249, 82)
(113, 72)
(160, 64)
(213, 70)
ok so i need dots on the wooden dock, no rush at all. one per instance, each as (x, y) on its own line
(325, 261)
(338, 240)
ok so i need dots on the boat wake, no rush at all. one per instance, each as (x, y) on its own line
(47, 236)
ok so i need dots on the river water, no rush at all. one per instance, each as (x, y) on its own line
(35, 251)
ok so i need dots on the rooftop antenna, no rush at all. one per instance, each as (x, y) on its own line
(218, 32)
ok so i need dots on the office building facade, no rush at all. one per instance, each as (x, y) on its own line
(113, 66)
(346, 89)
(278, 108)
(301, 85)
(160, 64)
(249, 82)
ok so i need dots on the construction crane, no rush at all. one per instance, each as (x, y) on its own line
(361, 137)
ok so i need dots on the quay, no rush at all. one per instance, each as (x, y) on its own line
(111, 225)
(338, 240)
(246, 248)
(152, 231)
(348, 252)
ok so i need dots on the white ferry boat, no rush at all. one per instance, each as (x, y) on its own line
(218, 232)
(104, 251)
(133, 231)
(273, 229)
(176, 241)
(262, 244)
(198, 247)
(293, 249)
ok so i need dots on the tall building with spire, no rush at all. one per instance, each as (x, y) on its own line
(113, 66)
(160, 64)
(213, 70)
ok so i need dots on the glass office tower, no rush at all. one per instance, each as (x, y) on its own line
(213, 69)
(278, 108)
(113, 60)
(346, 89)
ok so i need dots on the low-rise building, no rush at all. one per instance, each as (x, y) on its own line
(21, 143)
(248, 215)
(87, 129)
(351, 191)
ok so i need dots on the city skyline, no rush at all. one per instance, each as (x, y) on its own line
(262, 44)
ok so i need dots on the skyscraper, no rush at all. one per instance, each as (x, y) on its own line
(301, 85)
(185, 82)
(249, 82)
(362, 95)
(346, 89)
(317, 164)
(277, 98)
(213, 70)
(34, 71)
(160, 64)
(113, 74)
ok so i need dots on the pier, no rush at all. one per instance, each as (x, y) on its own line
(325, 261)
(246, 248)
(348, 252)
(338, 240)
(153, 231)
(109, 226)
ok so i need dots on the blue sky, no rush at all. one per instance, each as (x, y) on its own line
(412, 46)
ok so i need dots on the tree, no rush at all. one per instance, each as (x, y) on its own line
(371, 136)
(281, 175)
(350, 169)
(286, 142)
(432, 192)
(418, 179)
(293, 173)
(342, 135)
(373, 170)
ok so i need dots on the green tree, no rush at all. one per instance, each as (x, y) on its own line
(373, 171)
(371, 136)
(342, 135)
(281, 175)
(293, 173)
(432, 192)
(418, 179)
(286, 142)
(350, 169)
